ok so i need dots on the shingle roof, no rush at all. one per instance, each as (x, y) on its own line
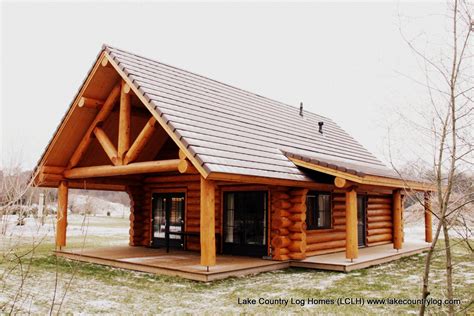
(230, 130)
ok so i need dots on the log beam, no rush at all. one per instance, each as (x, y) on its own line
(100, 117)
(352, 250)
(124, 121)
(207, 223)
(397, 220)
(123, 170)
(185, 166)
(107, 145)
(340, 182)
(141, 141)
(90, 103)
(428, 218)
(61, 215)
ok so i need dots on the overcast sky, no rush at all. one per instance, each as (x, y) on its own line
(344, 60)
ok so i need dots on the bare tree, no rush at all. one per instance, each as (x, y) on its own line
(450, 87)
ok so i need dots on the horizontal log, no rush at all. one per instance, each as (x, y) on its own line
(297, 255)
(324, 251)
(297, 246)
(280, 251)
(297, 236)
(324, 237)
(283, 232)
(298, 199)
(281, 222)
(297, 227)
(379, 206)
(280, 196)
(133, 168)
(378, 243)
(382, 200)
(185, 166)
(281, 213)
(341, 227)
(373, 219)
(379, 225)
(326, 245)
(339, 199)
(281, 204)
(383, 237)
(379, 231)
(193, 222)
(298, 217)
(281, 242)
(339, 213)
(379, 212)
(339, 220)
(281, 257)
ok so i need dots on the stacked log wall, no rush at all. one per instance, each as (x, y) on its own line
(140, 225)
(141, 208)
(379, 220)
(333, 239)
(288, 225)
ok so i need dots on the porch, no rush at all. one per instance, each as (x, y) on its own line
(186, 264)
(368, 257)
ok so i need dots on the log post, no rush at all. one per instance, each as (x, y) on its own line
(397, 220)
(61, 215)
(207, 223)
(124, 121)
(352, 250)
(428, 218)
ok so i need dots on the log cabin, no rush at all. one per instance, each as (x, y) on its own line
(214, 170)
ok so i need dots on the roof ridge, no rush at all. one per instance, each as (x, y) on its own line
(295, 107)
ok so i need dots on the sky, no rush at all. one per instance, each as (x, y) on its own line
(344, 60)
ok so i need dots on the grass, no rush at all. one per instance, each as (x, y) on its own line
(100, 289)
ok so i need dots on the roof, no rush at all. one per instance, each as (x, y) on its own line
(229, 130)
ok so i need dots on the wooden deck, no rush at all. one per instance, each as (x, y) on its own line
(187, 264)
(175, 263)
(368, 257)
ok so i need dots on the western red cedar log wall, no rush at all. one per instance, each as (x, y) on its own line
(289, 238)
(379, 225)
(141, 213)
(288, 225)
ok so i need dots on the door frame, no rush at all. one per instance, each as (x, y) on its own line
(364, 226)
(178, 190)
(266, 213)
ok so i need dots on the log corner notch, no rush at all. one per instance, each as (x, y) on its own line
(397, 220)
(207, 223)
(352, 250)
(61, 215)
(428, 218)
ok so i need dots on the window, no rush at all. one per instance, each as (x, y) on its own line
(318, 210)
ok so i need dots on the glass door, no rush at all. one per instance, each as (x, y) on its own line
(361, 219)
(245, 223)
(168, 219)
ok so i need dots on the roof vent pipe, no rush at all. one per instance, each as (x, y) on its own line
(321, 127)
(301, 108)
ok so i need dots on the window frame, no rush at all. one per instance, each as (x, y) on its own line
(316, 211)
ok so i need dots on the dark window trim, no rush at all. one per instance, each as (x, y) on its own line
(331, 221)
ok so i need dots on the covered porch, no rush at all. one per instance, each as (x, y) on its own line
(180, 263)
(368, 257)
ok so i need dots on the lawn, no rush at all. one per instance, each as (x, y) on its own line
(74, 287)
